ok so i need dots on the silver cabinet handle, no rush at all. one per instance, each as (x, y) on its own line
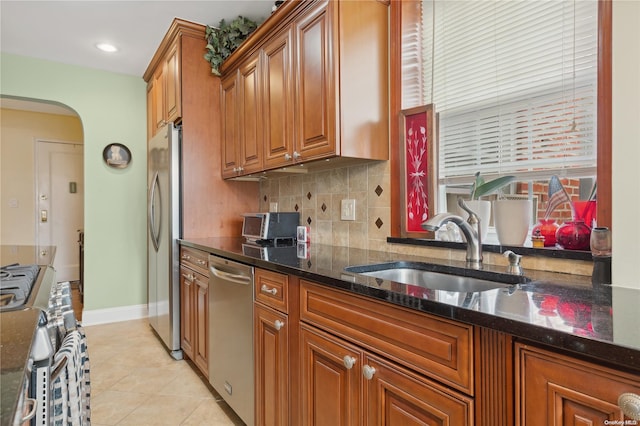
(271, 291)
(349, 362)
(278, 324)
(287, 156)
(368, 372)
(296, 155)
(629, 403)
(186, 257)
(200, 262)
(189, 277)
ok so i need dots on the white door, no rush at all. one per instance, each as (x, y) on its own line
(60, 203)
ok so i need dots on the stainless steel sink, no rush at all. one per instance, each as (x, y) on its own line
(438, 277)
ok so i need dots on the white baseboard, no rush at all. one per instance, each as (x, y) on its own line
(121, 313)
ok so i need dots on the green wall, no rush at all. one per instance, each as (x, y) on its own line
(112, 108)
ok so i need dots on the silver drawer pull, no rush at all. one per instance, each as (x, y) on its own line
(349, 362)
(278, 324)
(186, 256)
(368, 372)
(271, 291)
(189, 277)
(201, 262)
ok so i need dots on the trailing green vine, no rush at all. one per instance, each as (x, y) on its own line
(222, 41)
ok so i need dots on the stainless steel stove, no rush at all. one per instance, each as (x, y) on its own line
(16, 283)
(56, 385)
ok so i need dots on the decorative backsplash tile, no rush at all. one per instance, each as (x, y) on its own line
(317, 197)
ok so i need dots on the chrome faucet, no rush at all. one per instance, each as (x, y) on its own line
(470, 228)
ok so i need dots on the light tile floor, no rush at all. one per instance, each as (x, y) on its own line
(134, 381)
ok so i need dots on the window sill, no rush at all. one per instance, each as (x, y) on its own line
(490, 248)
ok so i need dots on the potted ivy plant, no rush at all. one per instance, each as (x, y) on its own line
(225, 39)
(482, 208)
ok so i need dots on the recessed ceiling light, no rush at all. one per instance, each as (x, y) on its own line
(106, 47)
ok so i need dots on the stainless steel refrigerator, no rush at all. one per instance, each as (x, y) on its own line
(163, 266)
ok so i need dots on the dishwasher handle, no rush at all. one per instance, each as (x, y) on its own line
(228, 276)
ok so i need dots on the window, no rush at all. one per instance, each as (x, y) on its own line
(514, 84)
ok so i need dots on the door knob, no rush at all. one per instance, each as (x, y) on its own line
(278, 324)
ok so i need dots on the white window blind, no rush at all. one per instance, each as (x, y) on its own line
(514, 83)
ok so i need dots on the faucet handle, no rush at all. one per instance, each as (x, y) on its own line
(473, 217)
(514, 263)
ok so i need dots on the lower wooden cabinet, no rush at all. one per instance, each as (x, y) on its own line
(271, 353)
(557, 390)
(343, 384)
(194, 317)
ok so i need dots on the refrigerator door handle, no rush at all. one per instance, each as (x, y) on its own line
(153, 229)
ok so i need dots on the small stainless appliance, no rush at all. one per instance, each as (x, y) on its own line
(270, 227)
(163, 172)
(231, 334)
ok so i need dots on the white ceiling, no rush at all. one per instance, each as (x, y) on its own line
(67, 31)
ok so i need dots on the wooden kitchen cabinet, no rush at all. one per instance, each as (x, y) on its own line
(229, 126)
(343, 384)
(242, 127)
(271, 349)
(194, 307)
(367, 362)
(554, 389)
(278, 98)
(323, 82)
(164, 91)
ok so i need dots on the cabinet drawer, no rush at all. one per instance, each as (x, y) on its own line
(197, 260)
(554, 389)
(436, 347)
(271, 288)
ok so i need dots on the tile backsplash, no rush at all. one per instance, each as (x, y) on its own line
(317, 197)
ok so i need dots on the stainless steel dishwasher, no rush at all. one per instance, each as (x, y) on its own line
(231, 334)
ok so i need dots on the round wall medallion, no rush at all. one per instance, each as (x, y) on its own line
(116, 155)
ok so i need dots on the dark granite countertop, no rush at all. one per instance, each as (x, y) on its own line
(17, 328)
(562, 311)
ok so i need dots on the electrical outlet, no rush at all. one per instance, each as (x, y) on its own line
(273, 207)
(348, 209)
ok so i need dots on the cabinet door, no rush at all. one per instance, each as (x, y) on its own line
(229, 126)
(151, 111)
(271, 366)
(173, 85)
(315, 83)
(278, 101)
(395, 396)
(250, 116)
(187, 331)
(158, 97)
(556, 390)
(331, 382)
(201, 321)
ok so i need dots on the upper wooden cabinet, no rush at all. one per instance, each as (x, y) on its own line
(182, 90)
(164, 89)
(323, 83)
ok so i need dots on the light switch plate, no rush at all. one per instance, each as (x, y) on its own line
(348, 209)
(273, 207)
